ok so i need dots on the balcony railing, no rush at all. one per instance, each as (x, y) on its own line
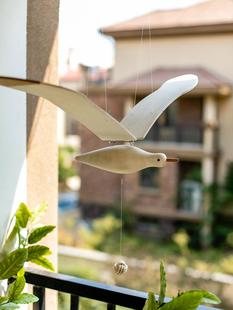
(180, 133)
(113, 296)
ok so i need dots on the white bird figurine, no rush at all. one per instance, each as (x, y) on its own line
(123, 159)
(134, 126)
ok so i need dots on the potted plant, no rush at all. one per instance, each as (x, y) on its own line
(21, 246)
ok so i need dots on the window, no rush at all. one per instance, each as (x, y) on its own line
(149, 178)
(164, 128)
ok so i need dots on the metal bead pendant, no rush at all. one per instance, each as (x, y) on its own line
(120, 267)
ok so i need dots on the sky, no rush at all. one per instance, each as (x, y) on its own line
(81, 19)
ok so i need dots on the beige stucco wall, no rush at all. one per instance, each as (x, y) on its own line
(214, 52)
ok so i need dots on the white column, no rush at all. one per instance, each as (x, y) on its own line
(210, 121)
(13, 20)
(61, 127)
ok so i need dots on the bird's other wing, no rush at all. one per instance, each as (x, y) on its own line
(77, 105)
(140, 119)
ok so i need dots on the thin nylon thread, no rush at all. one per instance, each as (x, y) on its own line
(105, 94)
(150, 52)
(121, 216)
(139, 54)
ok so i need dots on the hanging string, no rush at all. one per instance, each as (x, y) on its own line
(87, 81)
(121, 267)
(139, 58)
(150, 53)
(105, 94)
(121, 216)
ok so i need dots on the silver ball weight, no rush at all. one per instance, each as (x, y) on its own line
(120, 267)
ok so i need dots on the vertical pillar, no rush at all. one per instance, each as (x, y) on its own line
(210, 120)
(42, 181)
(61, 127)
(13, 19)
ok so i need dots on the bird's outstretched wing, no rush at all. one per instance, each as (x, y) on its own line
(134, 126)
(140, 119)
(102, 124)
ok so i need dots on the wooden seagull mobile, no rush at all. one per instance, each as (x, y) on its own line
(134, 126)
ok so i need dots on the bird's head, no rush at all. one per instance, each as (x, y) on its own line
(161, 159)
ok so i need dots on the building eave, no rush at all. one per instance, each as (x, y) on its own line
(223, 91)
(170, 31)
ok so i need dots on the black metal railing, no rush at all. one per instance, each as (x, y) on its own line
(113, 296)
(192, 133)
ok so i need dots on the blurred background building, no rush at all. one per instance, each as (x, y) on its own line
(150, 49)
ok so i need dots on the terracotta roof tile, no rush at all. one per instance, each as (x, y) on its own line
(208, 81)
(211, 12)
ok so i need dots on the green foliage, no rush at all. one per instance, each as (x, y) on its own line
(23, 214)
(16, 288)
(186, 301)
(228, 184)
(12, 262)
(182, 239)
(195, 175)
(101, 232)
(65, 169)
(39, 233)
(36, 251)
(3, 299)
(227, 264)
(11, 240)
(8, 306)
(222, 208)
(38, 212)
(44, 262)
(25, 298)
(151, 303)
(163, 284)
(189, 300)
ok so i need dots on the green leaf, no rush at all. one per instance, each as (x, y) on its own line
(12, 263)
(26, 298)
(151, 303)
(163, 284)
(16, 288)
(23, 214)
(8, 306)
(44, 262)
(21, 272)
(39, 233)
(187, 301)
(35, 251)
(3, 299)
(207, 297)
(11, 240)
(39, 211)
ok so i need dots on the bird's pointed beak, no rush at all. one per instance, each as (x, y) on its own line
(173, 160)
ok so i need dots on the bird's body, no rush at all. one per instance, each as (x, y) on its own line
(122, 159)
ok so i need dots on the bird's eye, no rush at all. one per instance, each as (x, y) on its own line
(158, 159)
